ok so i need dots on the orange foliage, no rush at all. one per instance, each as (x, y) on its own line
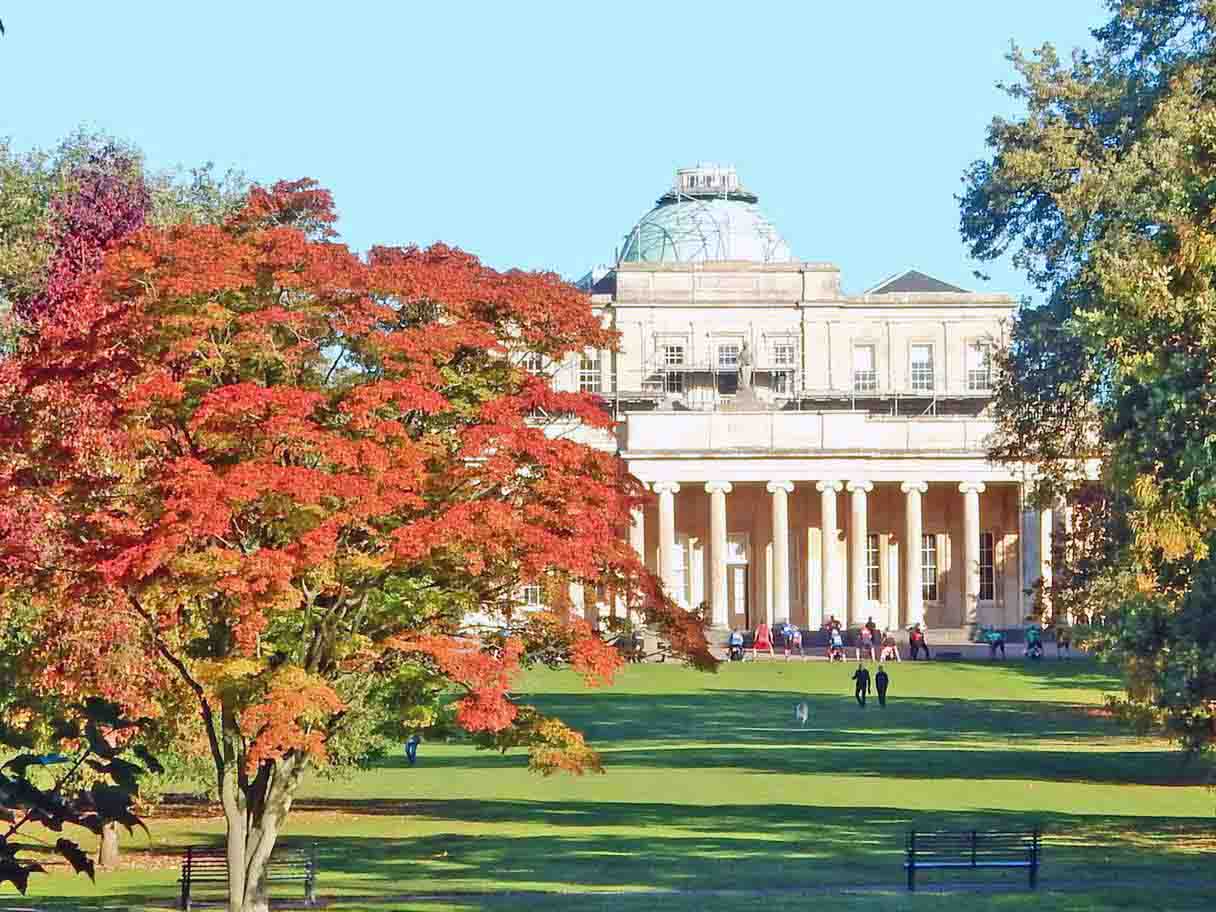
(192, 436)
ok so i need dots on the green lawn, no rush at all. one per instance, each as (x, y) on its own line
(715, 795)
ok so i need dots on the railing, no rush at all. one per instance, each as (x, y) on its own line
(802, 432)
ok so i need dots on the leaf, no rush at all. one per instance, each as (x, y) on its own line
(98, 743)
(149, 761)
(80, 862)
(22, 762)
(124, 774)
(113, 804)
(104, 712)
(16, 873)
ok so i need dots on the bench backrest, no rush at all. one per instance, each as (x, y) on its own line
(976, 846)
(201, 863)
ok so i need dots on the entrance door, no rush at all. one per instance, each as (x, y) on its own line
(736, 595)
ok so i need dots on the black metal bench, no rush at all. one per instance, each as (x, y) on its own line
(974, 849)
(208, 865)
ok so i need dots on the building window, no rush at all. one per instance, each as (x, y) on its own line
(979, 367)
(928, 568)
(681, 571)
(533, 362)
(728, 363)
(865, 377)
(783, 354)
(872, 574)
(532, 596)
(589, 373)
(987, 568)
(922, 368)
(673, 355)
(673, 383)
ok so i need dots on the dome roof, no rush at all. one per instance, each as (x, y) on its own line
(706, 216)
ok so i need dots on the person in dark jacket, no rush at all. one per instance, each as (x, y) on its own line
(881, 681)
(862, 677)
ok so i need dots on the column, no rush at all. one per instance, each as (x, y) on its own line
(827, 558)
(971, 491)
(637, 541)
(637, 531)
(667, 533)
(781, 548)
(1046, 524)
(717, 491)
(857, 550)
(913, 532)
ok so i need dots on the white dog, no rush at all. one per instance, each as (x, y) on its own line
(802, 712)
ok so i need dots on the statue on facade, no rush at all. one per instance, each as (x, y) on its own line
(745, 367)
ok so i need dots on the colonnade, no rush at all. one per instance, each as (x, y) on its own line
(828, 489)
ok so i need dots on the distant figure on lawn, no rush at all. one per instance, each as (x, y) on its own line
(762, 640)
(867, 641)
(1034, 639)
(916, 640)
(881, 681)
(835, 645)
(995, 640)
(793, 640)
(1063, 641)
(736, 645)
(890, 649)
(411, 749)
(862, 677)
(802, 712)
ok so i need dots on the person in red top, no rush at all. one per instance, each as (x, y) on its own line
(762, 640)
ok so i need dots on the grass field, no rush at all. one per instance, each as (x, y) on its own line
(717, 798)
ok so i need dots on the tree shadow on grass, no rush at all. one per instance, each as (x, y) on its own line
(496, 846)
(668, 846)
(761, 716)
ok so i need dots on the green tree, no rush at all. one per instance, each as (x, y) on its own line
(1104, 192)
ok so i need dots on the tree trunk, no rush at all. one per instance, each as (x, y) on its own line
(107, 852)
(254, 812)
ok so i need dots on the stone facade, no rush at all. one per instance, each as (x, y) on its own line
(851, 478)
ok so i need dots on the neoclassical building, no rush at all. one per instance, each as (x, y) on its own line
(810, 452)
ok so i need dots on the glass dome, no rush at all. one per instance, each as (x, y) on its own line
(706, 216)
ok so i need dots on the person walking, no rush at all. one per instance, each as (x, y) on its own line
(916, 641)
(862, 677)
(881, 681)
(411, 749)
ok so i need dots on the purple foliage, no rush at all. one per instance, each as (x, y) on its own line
(103, 201)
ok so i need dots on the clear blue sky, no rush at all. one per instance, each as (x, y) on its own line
(534, 134)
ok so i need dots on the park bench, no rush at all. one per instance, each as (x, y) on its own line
(208, 866)
(974, 849)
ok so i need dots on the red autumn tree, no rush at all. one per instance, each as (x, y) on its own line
(298, 471)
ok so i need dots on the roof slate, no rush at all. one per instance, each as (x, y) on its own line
(913, 282)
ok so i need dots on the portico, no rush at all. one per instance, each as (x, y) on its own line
(939, 551)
